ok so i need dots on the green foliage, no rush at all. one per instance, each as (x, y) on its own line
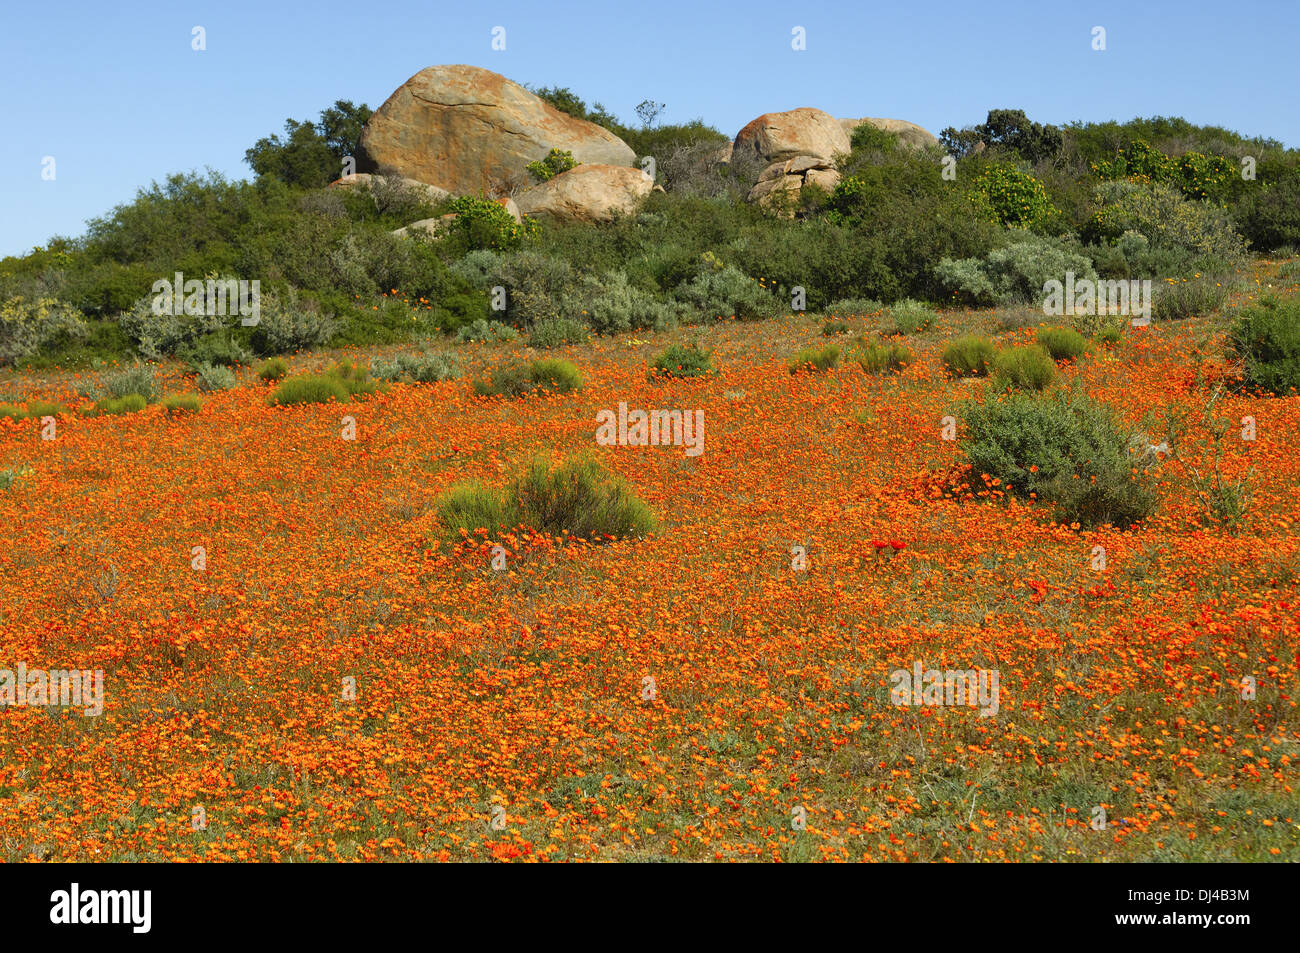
(815, 360)
(610, 304)
(214, 377)
(11, 475)
(727, 293)
(116, 406)
(1022, 368)
(1175, 300)
(309, 389)
(1014, 273)
(138, 379)
(1064, 344)
(1009, 197)
(876, 358)
(1008, 131)
(311, 154)
(679, 360)
(853, 307)
(218, 348)
(427, 368)
(868, 138)
(1266, 339)
(831, 329)
(908, 317)
(176, 404)
(27, 326)
(1165, 219)
(577, 499)
(555, 162)
(486, 331)
(289, 322)
(485, 223)
(969, 356)
(1269, 214)
(35, 409)
(549, 375)
(272, 370)
(1196, 175)
(555, 332)
(1060, 448)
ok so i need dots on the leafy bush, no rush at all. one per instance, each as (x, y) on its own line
(610, 305)
(832, 328)
(137, 379)
(1023, 368)
(27, 326)
(549, 375)
(1196, 175)
(557, 331)
(815, 359)
(577, 499)
(1166, 219)
(683, 361)
(727, 292)
(129, 404)
(969, 356)
(273, 370)
(485, 331)
(216, 349)
(161, 333)
(1269, 216)
(853, 307)
(1012, 198)
(1064, 344)
(214, 377)
(555, 162)
(176, 404)
(1014, 274)
(1175, 300)
(486, 223)
(310, 389)
(427, 368)
(909, 317)
(1061, 448)
(289, 323)
(1266, 339)
(875, 358)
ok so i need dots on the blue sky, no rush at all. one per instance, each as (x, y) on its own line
(117, 96)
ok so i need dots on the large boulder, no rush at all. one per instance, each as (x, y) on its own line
(776, 137)
(909, 133)
(787, 178)
(471, 131)
(587, 193)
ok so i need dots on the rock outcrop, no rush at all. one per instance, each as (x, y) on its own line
(587, 193)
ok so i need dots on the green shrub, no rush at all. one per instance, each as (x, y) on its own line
(217, 349)
(727, 292)
(1109, 335)
(610, 305)
(176, 404)
(1012, 198)
(1060, 448)
(578, 499)
(129, 404)
(969, 356)
(137, 379)
(832, 328)
(909, 317)
(289, 322)
(1013, 274)
(159, 335)
(555, 162)
(310, 389)
(1166, 220)
(273, 370)
(1266, 339)
(1064, 344)
(545, 376)
(27, 326)
(683, 361)
(1175, 300)
(427, 368)
(1023, 368)
(875, 358)
(484, 331)
(557, 331)
(815, 359)
(853, 307)
(214, 377)
(485, 223)
(1269, 215)
(11, 475)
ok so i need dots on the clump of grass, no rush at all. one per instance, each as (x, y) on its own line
(137, 379)
(309, 389)
(679, 360)
(877, 358)
(214, 377)
(969, 356)
(12, 475)
(1191, 297)
(815, 360)
(909, 317)
(33, 409)
(1109, 335)
(177, 404)
(555, 332)
(273, 370)
(832, 328)
(577, 499)
(549, 375)
(113, 406)
(1064, 344)
(1023, 368)
(427, 368)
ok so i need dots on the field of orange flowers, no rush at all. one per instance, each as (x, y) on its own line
(506, 715)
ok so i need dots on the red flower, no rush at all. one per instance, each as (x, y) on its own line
(897, 544)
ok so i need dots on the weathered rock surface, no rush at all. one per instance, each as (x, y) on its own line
(775, 137)
(471, 131)
(587, 193)
(909, 133)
